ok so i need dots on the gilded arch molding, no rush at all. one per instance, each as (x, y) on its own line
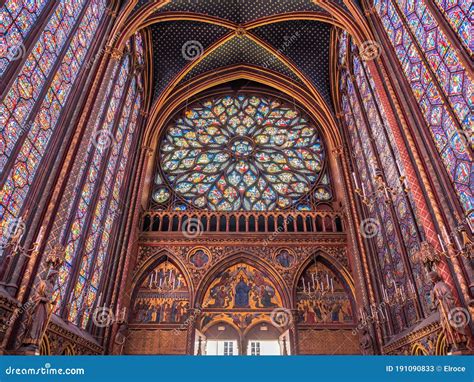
(221, 321)
(263, 320)
(127, 24)
(234, 32)
(144, 17)
(163, 109)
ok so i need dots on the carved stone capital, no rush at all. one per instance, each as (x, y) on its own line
(338, 150)
(115, 54)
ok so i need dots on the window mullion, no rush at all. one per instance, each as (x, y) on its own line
(377, 209)
(392, 213)
(89, 158)
(450, 33)
(76, 260)
(92, 206)
(392, 151)
(403, 194)
(108, 202)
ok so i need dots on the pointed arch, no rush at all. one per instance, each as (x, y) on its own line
(264, 320)
(218, 321)
(164, 108)
(323, 293)
(418, 349)
(333, 264)
(158, 258)
(352, 20)
(242, 256)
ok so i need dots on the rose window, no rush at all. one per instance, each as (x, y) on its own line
(242, 152)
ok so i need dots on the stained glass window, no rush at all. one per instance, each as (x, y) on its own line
(243, 152)
(18, 17)
(459, 15)
(450, 140)
(369, 138)
(75, 230)
(393, 169)
(92, 180)
(342, 53)
(101, 178)
(139, 48)
(33, 138)
(26, 89)
(443, 58)
(106, 207)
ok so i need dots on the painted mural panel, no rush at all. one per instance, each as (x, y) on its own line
(242, 287)
(163, 297)
(321, 297)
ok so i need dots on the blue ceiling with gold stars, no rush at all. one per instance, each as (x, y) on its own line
(178, 43)
(306, 44)
(169, 39)
(240, 50)
(238, 11)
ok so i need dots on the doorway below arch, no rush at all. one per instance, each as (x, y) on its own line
(222, 339)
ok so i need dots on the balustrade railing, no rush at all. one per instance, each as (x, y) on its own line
(244, 222)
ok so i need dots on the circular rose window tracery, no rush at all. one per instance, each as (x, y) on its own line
(243, 152)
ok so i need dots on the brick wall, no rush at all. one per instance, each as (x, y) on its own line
(327, 342)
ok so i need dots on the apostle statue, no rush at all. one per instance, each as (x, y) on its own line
(41, 312)
(120, 338)
(443, 301)
(366, 342)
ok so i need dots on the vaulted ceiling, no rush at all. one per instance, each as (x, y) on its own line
(191, 38)
(238, 11)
